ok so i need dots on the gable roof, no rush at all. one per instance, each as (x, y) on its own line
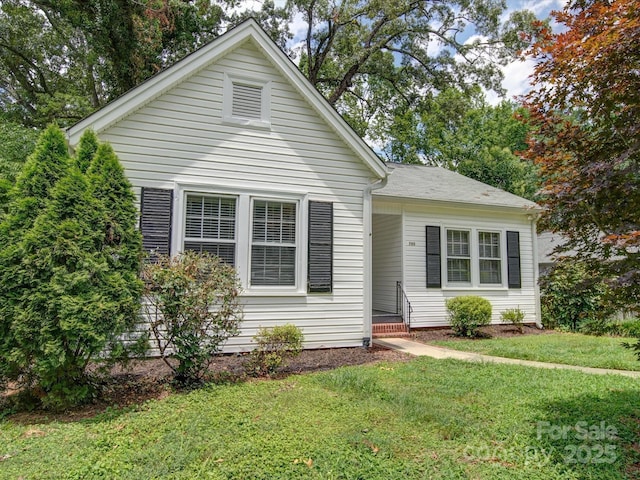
(210, 53)
(421, 182)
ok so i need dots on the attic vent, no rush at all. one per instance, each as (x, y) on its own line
(247, 102)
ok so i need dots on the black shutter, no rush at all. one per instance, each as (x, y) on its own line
(156, 208)
(434, 277)
(320, 264)
(513, 259)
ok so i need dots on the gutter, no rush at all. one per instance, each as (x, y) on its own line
(367, 212)
(536, 269)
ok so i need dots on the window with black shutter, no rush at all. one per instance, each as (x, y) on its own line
(320, 249)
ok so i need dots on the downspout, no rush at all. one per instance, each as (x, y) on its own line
(536, 269)
(367, 212)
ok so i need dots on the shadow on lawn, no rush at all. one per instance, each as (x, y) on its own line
(590, 433)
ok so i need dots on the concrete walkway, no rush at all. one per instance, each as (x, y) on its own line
(421, 349)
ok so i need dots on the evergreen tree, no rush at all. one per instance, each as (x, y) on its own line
(70, 281)
(63, 318)
(122, 241)
(44, 167)
(86, 150)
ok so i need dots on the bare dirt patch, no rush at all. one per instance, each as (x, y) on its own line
(490, 331)
(151, 379)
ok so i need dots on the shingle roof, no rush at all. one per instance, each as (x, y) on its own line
(439, 184)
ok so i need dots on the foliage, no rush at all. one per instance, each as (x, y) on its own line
(514, 316)
(460, 131)
(64, 301)
(421, 419)
(16, 144)
(585, 138)
(467, 313)
(274, 346)
(193, 306)
(64, 59)
(553, 347)
(368, 58)
(570, 295)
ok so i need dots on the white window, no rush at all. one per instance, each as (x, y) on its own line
(273, 243)
(489, 258)
(473, 258)
(458, 256)
(210, 225)
(246, 101)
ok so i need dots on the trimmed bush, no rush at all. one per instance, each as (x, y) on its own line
(514, 316)
(193, 306)
(467, 313)
(275, 346)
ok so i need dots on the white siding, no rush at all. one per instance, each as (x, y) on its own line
(429, 304)
(387, 260)
(181, 137)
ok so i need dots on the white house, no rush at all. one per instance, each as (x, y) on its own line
(233, 151)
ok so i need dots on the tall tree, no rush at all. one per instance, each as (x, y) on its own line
(16, 143)
(584, 109)
(460, 131)
(64, 58)
(368, 58)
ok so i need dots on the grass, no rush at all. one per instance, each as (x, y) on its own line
(567, 348)
(421, 419)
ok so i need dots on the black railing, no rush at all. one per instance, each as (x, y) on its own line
(403, 305)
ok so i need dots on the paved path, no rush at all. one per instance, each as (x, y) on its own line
(421, 349)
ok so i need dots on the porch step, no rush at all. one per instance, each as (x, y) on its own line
(394, 329)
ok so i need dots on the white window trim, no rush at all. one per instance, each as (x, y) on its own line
(501, 258)
(475, 259)
(446, 255)
(244, 203)
(227, 101)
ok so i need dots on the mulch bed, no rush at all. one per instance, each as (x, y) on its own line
(151, 379)
(490, 331)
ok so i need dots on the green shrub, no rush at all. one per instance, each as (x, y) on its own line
(65, 300)
(274, 347)
(571, 295)
(616, 328)
(467, 313)
(192, 301)
(514, 316)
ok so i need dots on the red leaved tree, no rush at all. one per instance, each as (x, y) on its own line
(585, 115)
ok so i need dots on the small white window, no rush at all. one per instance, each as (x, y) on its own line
(458, 256)
(210, 226)
(489, 258)
(273, 246)
(246, 102)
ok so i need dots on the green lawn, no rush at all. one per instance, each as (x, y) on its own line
(568, 348)
(421, 419)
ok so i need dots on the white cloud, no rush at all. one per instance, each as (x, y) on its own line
(516, 80)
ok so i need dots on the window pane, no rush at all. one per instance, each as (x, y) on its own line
(226, 251)
(457, 243)
(210, 217)
(271, 265)
(490, 271)
(458, 270)
(489, 244)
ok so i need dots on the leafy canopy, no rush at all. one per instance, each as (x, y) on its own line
(584, 112)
